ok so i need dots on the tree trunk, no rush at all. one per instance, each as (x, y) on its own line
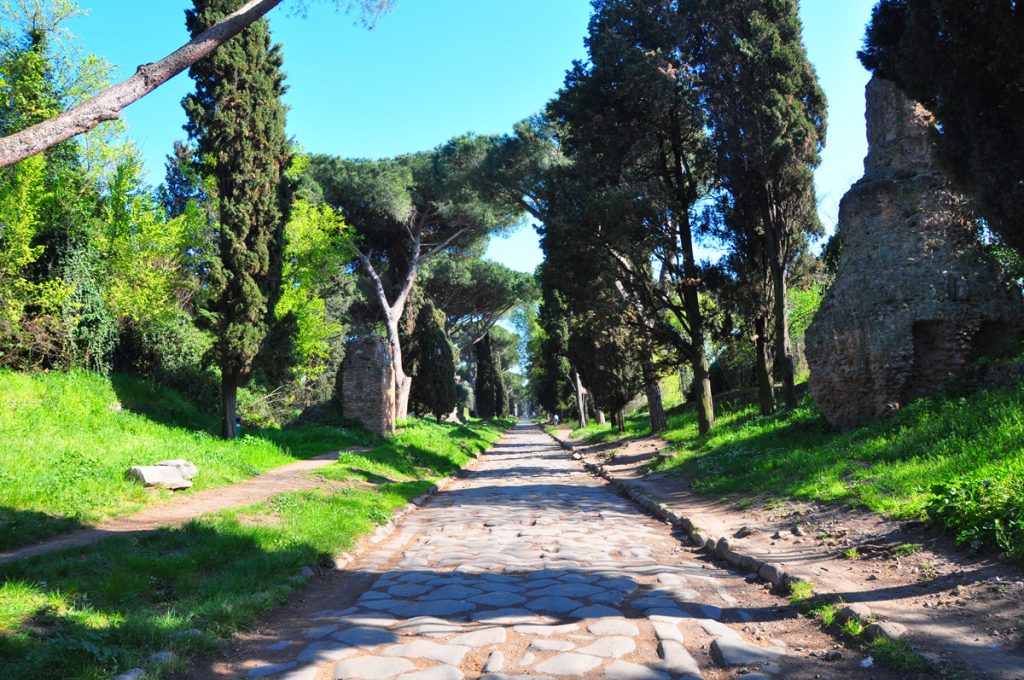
(620, 420)
(229, 407)
(107, 105)
(599, 417)
(581, 400)
(403, 383)
(783, 350)
(655, 407)
(765, 384)
(691, 303)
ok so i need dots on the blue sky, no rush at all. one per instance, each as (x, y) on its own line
(433, 69)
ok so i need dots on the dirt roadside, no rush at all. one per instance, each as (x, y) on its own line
(964, 614)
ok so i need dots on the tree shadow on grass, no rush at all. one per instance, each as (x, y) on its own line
(22, 527)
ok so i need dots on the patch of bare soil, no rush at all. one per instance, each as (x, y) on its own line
(966, 614)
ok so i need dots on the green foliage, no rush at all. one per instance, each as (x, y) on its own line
(237, 120)
(491, 398)
(317, 247)
(984, 510)
(433, 364)
(964, 63)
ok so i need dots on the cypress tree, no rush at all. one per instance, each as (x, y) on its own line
(433, 385)
(490, 389)
(237, 120)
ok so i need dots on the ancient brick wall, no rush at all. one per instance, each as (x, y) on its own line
(915, 297)
(368, 384)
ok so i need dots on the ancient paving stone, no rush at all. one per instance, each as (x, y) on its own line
(623, 670)
(547, 645)
(365, 636)
(732, 651)
(371, 668)
(535, 629)
(495, 662)
(613, 646)
(677, 660)
(438, 608)
(595, 611)
(434, 673)
(326, 651)
(304, 673)
(454, 592)
(553, 604)
(614, 627)
(423, 649)
(319, 632)
(664, 630)
(492, 635)
(498, 599)
(570, 664)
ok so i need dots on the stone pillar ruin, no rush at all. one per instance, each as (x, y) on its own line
(368, 384)
(915, 298)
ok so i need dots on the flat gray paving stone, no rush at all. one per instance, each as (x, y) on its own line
(624, 670)
(595, 611)
(614, 627)
(495, 662)
(371, 668)
(731, 651)
(508, 616)
(408, 589)
(374, 595)
(319, 632)
(326, 650)
(434, 673)
(492, 635)
(498, 599)
(541, 629)
(573, 665)
(366, 636)
(527, 659)
(270, 669)
(567, 590)
(676, 660)
(438, 608)
(613, 646)
(664, 630)
(423, 649)
(304, 673)
(645, 603)
(454, 592)
(548, 645)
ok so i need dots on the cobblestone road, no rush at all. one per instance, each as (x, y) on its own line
(531, 568)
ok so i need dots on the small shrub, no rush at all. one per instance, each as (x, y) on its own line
(983, 512)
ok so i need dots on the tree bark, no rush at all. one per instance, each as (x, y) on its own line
(783, 349)
(107, 105)
(403, 383)
(765, 384)
(655, 407)
(229, 407)
(620, 420)
(581, 400)
(691, 303)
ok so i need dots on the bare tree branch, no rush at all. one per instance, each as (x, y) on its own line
(108, 104)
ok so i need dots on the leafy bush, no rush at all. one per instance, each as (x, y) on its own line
(984, 511)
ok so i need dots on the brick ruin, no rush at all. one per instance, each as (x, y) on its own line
(915, 298)
(368, 384)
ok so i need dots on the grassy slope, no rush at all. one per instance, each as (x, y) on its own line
(92, 612)
(889, 466)
(66, 440)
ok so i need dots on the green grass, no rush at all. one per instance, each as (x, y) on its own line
(90, 613)
(896, 466)
(67, 439)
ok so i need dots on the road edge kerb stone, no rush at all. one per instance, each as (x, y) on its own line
(776, 574)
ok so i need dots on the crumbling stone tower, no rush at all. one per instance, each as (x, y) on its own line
(368, 384)
(915, 298)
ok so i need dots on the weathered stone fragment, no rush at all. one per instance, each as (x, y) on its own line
(159, 475)
(368, 384)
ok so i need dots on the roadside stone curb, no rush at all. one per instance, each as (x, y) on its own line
(776, 574)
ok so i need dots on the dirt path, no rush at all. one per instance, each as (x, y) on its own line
(180, 509)
(966, 614)
(530, 567)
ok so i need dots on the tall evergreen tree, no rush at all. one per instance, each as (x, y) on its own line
(237, 120)
(491, 399)
(767, 115)
(433, 364)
